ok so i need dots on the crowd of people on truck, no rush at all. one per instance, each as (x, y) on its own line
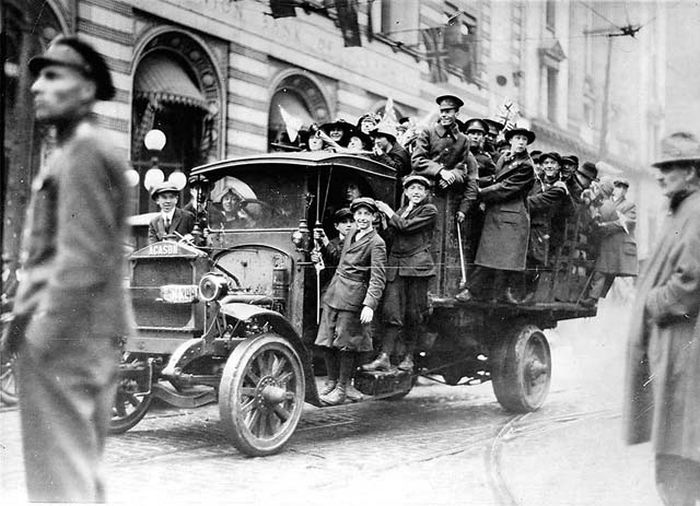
(511, 204)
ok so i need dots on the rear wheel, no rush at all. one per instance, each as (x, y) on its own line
(261, 397)
(521, 369)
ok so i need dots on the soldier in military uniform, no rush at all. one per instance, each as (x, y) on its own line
(442, 155)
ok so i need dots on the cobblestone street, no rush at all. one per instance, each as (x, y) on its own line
(439, 445)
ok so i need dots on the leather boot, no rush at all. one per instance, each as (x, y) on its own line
(353, 394)
(407, 363)
(381, 363)
(328, 386)
(336, 397)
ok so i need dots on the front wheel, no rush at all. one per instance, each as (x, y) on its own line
(521, 369)
(261, 396)
(131, 402)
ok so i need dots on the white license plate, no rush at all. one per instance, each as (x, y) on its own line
(178, 294)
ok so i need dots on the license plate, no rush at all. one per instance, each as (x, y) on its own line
(178, 294)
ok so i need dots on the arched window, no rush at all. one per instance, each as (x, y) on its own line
(302, 103)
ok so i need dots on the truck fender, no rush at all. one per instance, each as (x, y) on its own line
(281, 325)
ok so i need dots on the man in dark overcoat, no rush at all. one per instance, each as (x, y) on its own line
(472, 215)
(662, 387)
(351, 300)
(617, 248)
(409, 269)
(503, 244)
(442, 155)
(71, 308)
(171, 220)
(388, 151)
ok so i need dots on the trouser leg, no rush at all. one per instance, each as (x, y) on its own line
(677, 480)
(347, 367)
(600, 285)
(65, 407)
(330, 357)
(416, 308)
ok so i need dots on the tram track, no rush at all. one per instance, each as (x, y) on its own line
(516, 427)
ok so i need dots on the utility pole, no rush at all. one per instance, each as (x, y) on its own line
(603, 145)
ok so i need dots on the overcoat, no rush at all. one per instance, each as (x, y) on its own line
(183, 223)
(504, 238)
(662, 380)
(441, 149)
(546, 205)
(410, 252)
(360, 277)
(617, 252)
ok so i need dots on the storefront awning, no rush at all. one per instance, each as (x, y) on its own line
(161, 77)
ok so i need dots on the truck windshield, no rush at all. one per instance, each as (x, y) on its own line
(256, 199)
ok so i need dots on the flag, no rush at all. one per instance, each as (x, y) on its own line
(283, 8)
(435, 53)
(461, 49)
(390, 113)
(347, 19)
(291, 123)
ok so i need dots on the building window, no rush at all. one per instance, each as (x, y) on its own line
(550, 15)
(461, 42)
(396, 19)
(552, 77)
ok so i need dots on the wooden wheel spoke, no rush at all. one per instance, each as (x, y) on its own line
(283, 379)
(281, 413)
(262, 365)
(248, 391)
(247, 406)
(253, 421)
(278, 364)
(252, 376)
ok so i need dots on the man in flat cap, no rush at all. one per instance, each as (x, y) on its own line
(662, 382)
(442, 155)
(71, 309)
(171, 221)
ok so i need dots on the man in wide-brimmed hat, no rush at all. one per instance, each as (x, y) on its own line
(70, 309)
(581, 180)
(662, 387)
(503, 244)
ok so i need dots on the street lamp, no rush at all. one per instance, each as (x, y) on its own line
(154, 140)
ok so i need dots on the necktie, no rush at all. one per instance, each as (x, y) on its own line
(167, 223)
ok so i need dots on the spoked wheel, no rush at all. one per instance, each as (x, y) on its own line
(9, 389)
(521, 369)
(262, 394)
(130, 405)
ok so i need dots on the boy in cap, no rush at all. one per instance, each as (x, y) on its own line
(350, 301)
(330, 249)
(71, 308)
(171, 220)
(409, 269)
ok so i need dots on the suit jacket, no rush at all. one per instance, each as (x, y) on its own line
(617, 252)
(547, 217)
(398, 158)
(182, 223)
(73, 258)
(411, 242)
(504, 238)
(360, 277)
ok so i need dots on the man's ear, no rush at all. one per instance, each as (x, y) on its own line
(88, 90)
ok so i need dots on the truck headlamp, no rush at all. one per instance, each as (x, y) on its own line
(212, 287)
